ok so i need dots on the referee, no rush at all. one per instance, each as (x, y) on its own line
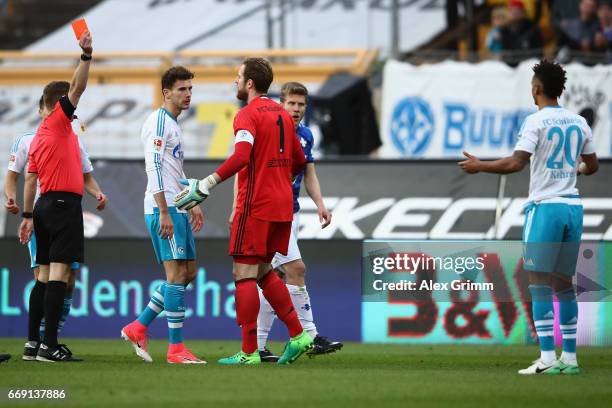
(55, 161)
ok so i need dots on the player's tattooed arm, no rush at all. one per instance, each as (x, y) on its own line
(313, 188)
(507, 165)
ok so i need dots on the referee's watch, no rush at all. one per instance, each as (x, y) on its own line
(26, 215)
(86, 57)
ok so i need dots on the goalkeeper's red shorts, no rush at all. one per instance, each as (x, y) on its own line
(254, 241)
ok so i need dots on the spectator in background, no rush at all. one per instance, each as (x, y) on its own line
(603, 38)
(499, 18)
(520, 38)
(4, 8)
(579, 33)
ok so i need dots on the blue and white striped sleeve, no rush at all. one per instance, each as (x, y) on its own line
(18, 156)
(154, 138)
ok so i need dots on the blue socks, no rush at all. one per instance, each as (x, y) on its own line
(543, 319)
(568, 319)
(174, 305)
(155, 306)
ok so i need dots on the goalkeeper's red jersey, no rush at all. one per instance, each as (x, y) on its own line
(264, 185)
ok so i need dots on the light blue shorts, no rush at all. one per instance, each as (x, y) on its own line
(181, 246)
(551, 236)
(32, 249)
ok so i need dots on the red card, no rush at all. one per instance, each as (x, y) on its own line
(79, 27)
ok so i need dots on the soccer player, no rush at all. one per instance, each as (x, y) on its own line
(555, 140)
(18, 160)
(267, 155)
(294, 97)
(170, 228)
(54, 158)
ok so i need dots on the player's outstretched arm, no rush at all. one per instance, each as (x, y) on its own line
(197, 190)
(507, 165)
(81, 74)
(93, 188)
(589, 164)
(313, 188)
(10, 192)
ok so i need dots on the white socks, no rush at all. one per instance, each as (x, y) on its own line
(265, 318)
(301, 303)
(548, 357)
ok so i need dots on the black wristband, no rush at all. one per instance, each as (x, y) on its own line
(85, 57)
(26, 215)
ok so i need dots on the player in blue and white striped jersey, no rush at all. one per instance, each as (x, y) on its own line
(18, 162)
(559, 144)
(170, 228)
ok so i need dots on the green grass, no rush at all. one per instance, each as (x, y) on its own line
(374, 376)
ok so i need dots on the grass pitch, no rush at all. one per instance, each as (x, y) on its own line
(358, 376)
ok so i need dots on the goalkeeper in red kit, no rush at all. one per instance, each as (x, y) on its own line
(267, 156)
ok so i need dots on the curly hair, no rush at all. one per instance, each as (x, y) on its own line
(552, 76)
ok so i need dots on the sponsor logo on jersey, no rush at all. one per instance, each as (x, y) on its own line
(278, 163)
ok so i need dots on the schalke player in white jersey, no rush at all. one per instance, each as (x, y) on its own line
(560, 146)
(18, 162)
(294, 98)
(171, 229)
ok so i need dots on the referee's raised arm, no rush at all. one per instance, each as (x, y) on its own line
(81, 74)
(54, 158)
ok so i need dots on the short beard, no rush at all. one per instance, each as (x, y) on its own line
(242, 95)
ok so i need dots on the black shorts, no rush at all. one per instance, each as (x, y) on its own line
(58, 224)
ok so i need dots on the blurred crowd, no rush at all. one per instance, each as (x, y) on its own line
(582, 31)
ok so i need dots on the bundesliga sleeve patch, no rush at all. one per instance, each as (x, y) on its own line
(244, 136)
(157, 144)
(12, 158)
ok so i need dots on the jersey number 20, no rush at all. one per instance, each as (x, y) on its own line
(564, 142)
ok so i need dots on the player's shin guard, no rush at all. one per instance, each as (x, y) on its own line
(54, 304)
(265, 318)
(301, 302)
(155, 306)
(36, 310)
(568, 320)
(174, 304)
(543, 319)
(275, 291)
(247, 309)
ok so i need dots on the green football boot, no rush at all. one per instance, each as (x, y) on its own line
(296, 346)
(568, 369)
(241, 358)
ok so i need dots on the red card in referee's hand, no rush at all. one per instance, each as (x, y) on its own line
(79, 27)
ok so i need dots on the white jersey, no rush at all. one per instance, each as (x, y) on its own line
(18, 156)
(556, 138)
(163, 148)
